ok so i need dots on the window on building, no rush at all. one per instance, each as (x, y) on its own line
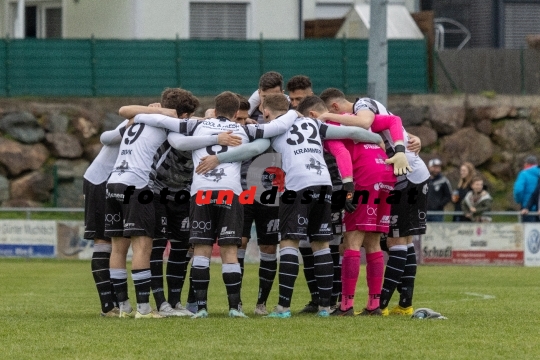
(42, 19)
(520, 20)
(217, 20)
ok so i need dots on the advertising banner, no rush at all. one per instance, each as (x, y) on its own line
(27, 238)
(473, 243)
(532, 244)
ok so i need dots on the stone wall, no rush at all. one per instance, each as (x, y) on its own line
(495, 134)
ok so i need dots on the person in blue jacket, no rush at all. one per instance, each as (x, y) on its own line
(525, 185)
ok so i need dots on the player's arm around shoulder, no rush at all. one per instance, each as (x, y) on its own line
(362, 119)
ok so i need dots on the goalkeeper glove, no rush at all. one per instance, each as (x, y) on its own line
(349, 195)
(401, 165)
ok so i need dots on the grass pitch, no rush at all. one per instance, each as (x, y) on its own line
(49, 309)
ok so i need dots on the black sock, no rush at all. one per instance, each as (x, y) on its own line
(267, 274)
(408, 277)
(142, 280)
(176, 271)
(288, 272)
(119, 280)
(397, 256)
(336, 288)
(324, 274)
(309, 274)
(156, 268)
(200, 274)
(241, 255)
(102, 277)
(232, 277)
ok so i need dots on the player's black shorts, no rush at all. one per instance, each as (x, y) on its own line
(94, 210)
(136, 218)
(266, 223)
(408, 217)
(311, 221)
(223, 222)
(172, 220)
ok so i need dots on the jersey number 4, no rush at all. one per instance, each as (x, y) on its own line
(300, 137)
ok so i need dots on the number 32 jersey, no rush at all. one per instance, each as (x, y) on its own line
(302, 154)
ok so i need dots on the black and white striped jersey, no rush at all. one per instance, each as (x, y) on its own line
(420, 172)
(100, 169)
(172, 169)
(302, 154)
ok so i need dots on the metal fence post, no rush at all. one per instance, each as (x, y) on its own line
(55, 185)
(7, 64)
(177, 53)
(344, 64)
(93, 65)
(261, 54)
(522, 70)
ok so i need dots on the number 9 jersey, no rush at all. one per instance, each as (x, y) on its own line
(302, 154)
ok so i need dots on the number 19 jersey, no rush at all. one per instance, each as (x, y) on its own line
(302, 154)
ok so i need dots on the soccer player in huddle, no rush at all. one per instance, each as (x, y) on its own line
(94, 189)
(269, 83)
(215, 207)
(408, 213)
(304, 211)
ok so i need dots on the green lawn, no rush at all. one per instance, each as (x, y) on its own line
(49, 309)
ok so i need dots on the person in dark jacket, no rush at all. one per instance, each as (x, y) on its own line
(466, 174)
(440, 190)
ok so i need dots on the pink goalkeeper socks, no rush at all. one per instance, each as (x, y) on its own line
(350, 268)
(374, 277)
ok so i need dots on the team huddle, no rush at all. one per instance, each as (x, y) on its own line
(330, 176)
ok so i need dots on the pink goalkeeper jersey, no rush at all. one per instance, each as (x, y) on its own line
(365, 162)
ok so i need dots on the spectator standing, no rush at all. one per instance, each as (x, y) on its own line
(466, 174)
(525, 184)
(440, 190)
(477, 201)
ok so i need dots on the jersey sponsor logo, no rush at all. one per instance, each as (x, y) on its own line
(128, 225)
(371, 146)
(110, 218)
(421, 215)
(379, 186)
(335, 216)
(394, 220)
(225, 232)
(185, 223)
(302, 220)
(122, 167)
(163, 220)
(201, 225)
(533, 241)
(125, 152)
(316, 165)
(372, 211)
(272, 225)
(385, 219)
(425, 189)
(325, 228)
(215, 174)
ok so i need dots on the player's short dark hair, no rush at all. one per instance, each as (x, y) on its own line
(331, 94)
(270, 80)
(310, 103)
(181, 100)
(226, 104)
(476, 178)
(298, 82)
(244, 103)
(276, 103)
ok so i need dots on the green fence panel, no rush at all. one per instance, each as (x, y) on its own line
(49, 67)
(126, 68)
(145, 67)
(210, 67)
(407, 66)
(3, 69)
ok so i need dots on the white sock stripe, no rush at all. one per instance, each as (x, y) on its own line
(410, 264)
(154, 261)
(199, 281)
(288, 262)
(320, 276)
(288, 251)
(106, 248)
(241, 253)
(238, 283)
(100, 258)
(322, 252)
(175, 276)
(321, 288)
(158, 247)
(103, 282)
(285, 286)
(231, 268)
(408, 277)
(106, 269)
(122, 283)
(308, 268)
(397, 257)
(397, 282)
(141, 282)
(201, 261)
(310, 281)
(294, 275)
(325, 263)
(398, 248)
(393, 268)
(118, 273)
(268, 257)
(141, 275)
(176, 262)
(269, 270)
